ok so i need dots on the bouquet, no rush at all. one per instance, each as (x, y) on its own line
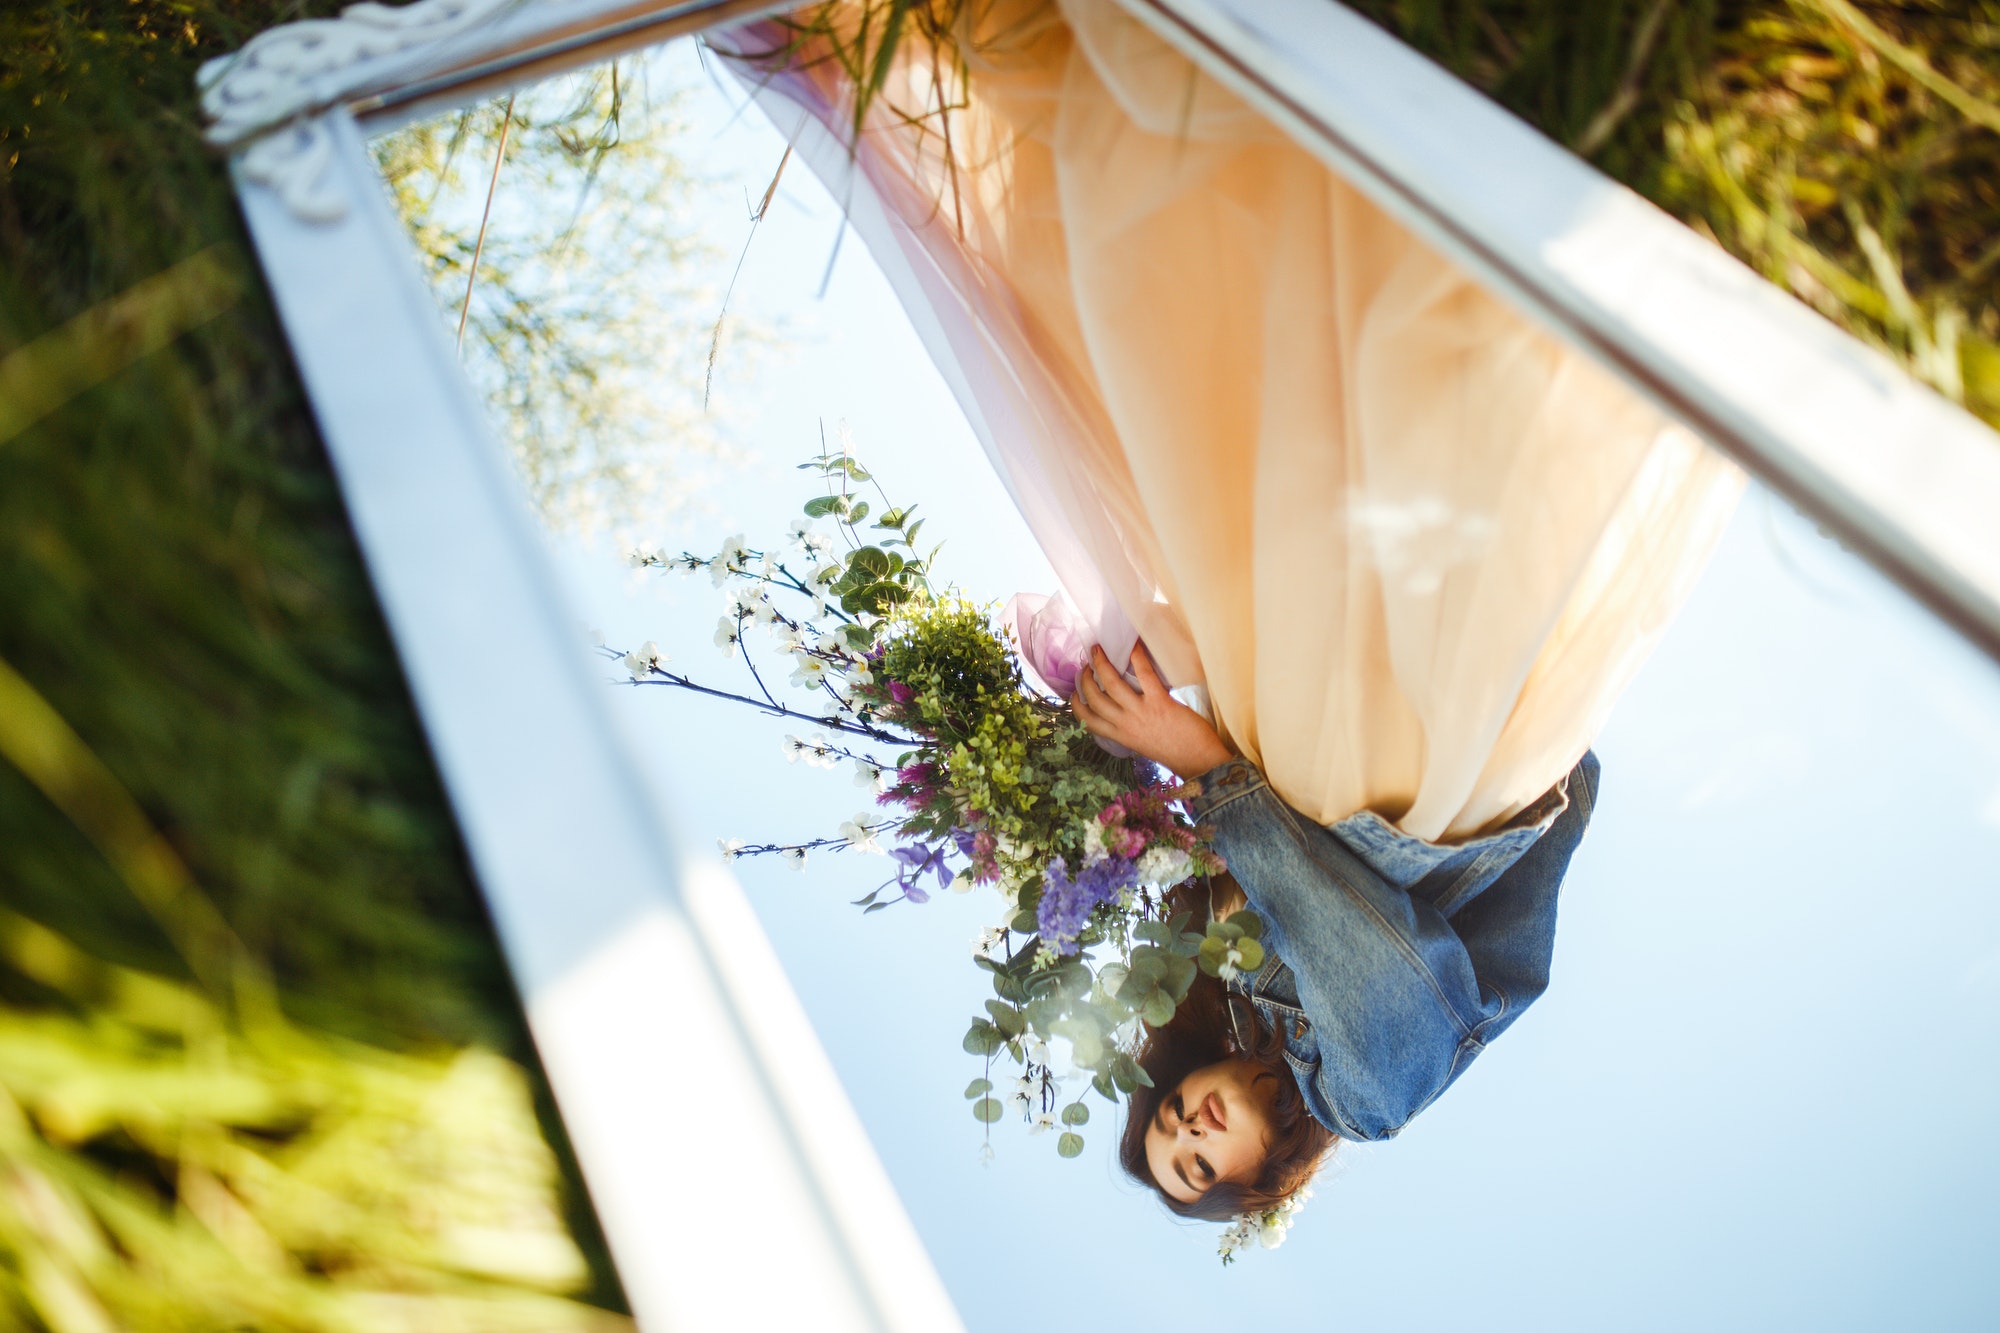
(979, 783)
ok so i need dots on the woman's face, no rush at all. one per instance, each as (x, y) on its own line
(1214, 1125)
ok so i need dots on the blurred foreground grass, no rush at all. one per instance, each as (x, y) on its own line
(1848, 150)
(260, 1063)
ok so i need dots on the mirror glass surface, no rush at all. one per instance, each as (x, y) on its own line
(1759, 1091)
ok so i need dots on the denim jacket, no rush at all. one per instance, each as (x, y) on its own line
(1392, 962)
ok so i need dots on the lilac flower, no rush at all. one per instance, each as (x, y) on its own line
(1067, 903)
(915, 858)
(900, 692)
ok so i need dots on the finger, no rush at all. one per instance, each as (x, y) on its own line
(1144, 668)
(1091, 689)
(1093, 722)
(1113, 684)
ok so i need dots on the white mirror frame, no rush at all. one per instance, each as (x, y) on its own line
(605, 922)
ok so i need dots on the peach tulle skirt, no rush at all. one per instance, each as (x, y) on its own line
(1414, 546)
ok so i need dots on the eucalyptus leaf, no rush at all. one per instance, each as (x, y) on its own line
(1085, 1038)
(1157, 1009)
(822, 505)
(979, 1087)
(859, 512)
(1076, 1113)
(1247, 922)
(1069, 1145)
(1126, 1070)
(986, 1110)
(1007, 1018)
(1252, 954)
(1106, 1088)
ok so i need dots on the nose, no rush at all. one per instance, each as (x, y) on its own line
(1190, 1128)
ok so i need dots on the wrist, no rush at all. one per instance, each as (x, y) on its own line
(1198, 758)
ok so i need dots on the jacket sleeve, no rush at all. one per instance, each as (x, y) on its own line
(1389, 987)
(1509, 929)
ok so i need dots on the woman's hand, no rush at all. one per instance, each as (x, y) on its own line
(1147, 719)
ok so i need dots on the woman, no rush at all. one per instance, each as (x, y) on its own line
(1393, 962)
(1412, 546)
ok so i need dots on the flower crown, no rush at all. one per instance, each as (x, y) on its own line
(1266, 1226)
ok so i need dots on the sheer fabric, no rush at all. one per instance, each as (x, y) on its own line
(1413, 546)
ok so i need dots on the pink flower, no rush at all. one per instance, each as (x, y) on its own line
(984, 868)
(900, 692)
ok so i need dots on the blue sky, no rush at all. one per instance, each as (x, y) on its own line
(1761, 1091)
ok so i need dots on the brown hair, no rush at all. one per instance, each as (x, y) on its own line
(1212, 1024)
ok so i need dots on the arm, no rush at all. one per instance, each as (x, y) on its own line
(1400, 997)
(1389, 988)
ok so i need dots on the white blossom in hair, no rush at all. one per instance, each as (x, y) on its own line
(1266, 1227)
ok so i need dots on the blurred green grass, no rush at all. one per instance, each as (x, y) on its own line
(1848, 150)
(179, 583)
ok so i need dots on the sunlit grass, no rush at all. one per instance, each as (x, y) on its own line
(260, 1063)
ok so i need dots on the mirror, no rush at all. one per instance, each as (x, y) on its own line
(1775, 937)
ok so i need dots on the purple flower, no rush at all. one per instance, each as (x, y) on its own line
(913, 859)
(1067, 903)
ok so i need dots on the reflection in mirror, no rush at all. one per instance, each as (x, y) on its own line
(1109, 340)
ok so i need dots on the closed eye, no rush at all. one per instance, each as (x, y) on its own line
(1207, 1171)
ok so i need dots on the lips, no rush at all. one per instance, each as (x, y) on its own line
(1211, 1111)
